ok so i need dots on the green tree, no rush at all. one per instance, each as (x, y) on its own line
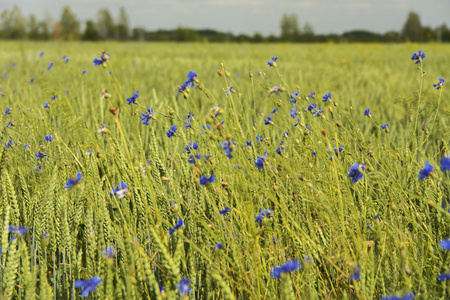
(105, 24)
(33, 28)
(13, 24)
(90, 33)
(123, 26)
(289, 27)
(70, 25)
(412, 29)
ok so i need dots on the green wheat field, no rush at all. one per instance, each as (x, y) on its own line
(201, 171)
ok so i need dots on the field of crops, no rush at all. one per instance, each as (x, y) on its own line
(224, 171)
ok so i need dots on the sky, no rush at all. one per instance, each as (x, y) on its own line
(250, 16)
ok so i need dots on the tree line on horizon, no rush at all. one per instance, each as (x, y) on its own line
(15, 26)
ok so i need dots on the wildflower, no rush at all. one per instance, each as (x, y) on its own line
(272, 62)
(88, 285)
(206, 127)
(289, 267)
(9, 144)
(102, 128)
(355, 172)
(294, 112)
(425, 172)
(121, 191)
(109, 252)
(274, 111)
(368, 113)
(27, 146)
(48, 137)
(41, 53)
(259, 138)
(46, 105)
(326, 97)
(227, 147)
(8, 110)
(66, 60)
(409, 296)
(191, 77)
(83, 72)
(444, 276)
(445, 163)
(260, 160)
(10, 123)
(419, 56)
(268, 121)
(183, 286)
(293, 95)
(218, 247)
(106, 94)
(191, 146)
(356, 273)
(177, 226)
(73, 181)
(19, 230)
(171, 132)
(385, 127)
(102, 61)
(225, 211)
(445, 244)
(440, 84)
(50, 66)
(229, 90)
(263, 213)
(133, 98)
(275, 90)
(248, 144)
(54, 97)
(145, 118)
(40, 155)
(32, 79)
(205, 180)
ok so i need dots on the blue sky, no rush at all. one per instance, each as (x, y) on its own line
(250, 16)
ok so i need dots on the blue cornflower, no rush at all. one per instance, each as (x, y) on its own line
(177, 226)
(191, 77)
(88, 285)
(274, 111)
(355, 172)
(444, 276)
(48, 137)
(32, 79)
(445, 163)
(183, 286)
(192, 158)
(409, 296)
(293, 95)
(419, 56)
(260, 160)
(440, 84)
(27, 146)
(248, 144)
(289, 267)
(54, 97)
(272, 62)
(133, 98)
(259, 138)
(263, 213)
(19, 230)
(46, 105)
(385, 127)
(445, 244)
(205, 180)
(193, 145)
(145, 118)
(225, 211)
(50, 66)
(121, 191)
(66, 60)
(368, 113)
(83, 72)
(218, 247)
(9, 144)
(8, 110)
(275, 90)
(109, 252)
(312, 95)
(102, 61)
(10, 123)
(228, 148)
(171, 132)
(268, 121)
(294, 112)
(425, 172)
(326, 97)
(356, 273)
(188, 123)
(206, 127)
(73, 181)
(40, 155)
(229, 91)
(41, 53)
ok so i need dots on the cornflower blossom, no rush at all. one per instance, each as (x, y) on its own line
(356, 273)
(218, 247)
(228, 148)
(289, 267)
(275, 90)
(50, 66)
(273, 62)
(189, 83)
(102, 61)
(19, 230)
(268, 121)
(109, 252)
(425, 172)
(260, 160)
(145, 118)
(121, 191)
(177, 226)
(40, 155)
(205, 180)
(409, 296)
(418, 57)
(54, 97)
(88, 285)
(171, 132)
(46, 105)
(191, 146)
(312, 96)
(73, 181)
(225, 211)
(294, 95)
(48, 137)
(32, 79)
(440, 84)
(41, 53)
(133, 98)
(263, 213)
(183, 286)
(8, 110)
(326, 97)
(355, 172)
(367, 112)
(445, 163)
(444, 276)
(66, 60)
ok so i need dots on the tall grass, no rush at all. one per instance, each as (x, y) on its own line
(389, 222)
